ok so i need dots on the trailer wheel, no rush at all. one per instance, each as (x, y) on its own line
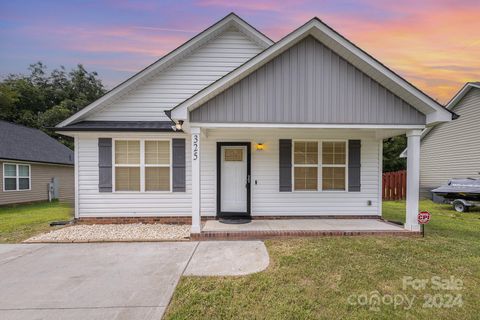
(459, 206)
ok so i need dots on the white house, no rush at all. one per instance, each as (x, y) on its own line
(292, 128)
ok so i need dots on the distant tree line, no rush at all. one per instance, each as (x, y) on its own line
(42, 100)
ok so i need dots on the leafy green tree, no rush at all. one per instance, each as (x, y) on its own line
(392, 148)
(42, 100)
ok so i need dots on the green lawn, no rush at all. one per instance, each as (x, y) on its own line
(18, 223)
(314, 278)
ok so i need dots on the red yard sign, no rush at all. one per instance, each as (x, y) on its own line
(424, 217)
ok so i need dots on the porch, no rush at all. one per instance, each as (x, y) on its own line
(307, 227)
(266, 185)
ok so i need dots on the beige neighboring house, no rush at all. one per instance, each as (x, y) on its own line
(452, 149)
(29, 161)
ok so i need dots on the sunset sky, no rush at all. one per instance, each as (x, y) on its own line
(435, 44)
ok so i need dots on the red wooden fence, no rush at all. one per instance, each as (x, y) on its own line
(394, 185)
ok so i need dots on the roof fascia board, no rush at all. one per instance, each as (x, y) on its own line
(460, 94)
(320, 31)
(228, 21)
(213, 125)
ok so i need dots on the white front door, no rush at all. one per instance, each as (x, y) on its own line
(233, 179)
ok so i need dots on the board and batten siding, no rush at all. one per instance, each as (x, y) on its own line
(93, 203)
(266, 197)
(308, 83)
(169, 87)
(452, 149)
(41, 175)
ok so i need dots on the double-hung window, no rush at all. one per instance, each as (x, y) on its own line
(16, 177)
(142, 165)
(330, 168)
(157, 165)
(305, 163)
(334, 162)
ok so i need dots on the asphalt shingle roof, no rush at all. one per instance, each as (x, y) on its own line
(22, 143)
(119, 126)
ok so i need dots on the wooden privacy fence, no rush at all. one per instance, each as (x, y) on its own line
(394, 185)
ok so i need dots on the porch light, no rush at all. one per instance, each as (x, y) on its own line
(259, 146)
(179, 124)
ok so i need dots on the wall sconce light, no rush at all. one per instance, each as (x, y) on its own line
(259, 146)
(178, 125)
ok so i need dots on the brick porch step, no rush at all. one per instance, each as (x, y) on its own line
(272, 234)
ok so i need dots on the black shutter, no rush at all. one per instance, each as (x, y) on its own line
(178, 165)
(285, 165)
(105, 165)
(354, 165)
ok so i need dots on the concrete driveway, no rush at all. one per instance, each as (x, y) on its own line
(110, 280)
(90, 281)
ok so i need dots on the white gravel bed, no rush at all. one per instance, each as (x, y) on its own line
(115, 232)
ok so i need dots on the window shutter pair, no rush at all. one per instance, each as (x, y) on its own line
(105, 165)
(285, 168)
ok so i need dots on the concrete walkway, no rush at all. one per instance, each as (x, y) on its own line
(304, 224)
(111, 280)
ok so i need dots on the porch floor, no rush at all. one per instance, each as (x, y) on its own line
(263, 229)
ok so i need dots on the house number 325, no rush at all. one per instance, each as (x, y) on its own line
(195, 147)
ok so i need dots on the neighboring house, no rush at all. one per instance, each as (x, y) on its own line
(29, 161)
(452, 150)
(292, 128)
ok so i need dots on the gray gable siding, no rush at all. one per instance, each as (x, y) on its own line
(308, 83)
(452, 149)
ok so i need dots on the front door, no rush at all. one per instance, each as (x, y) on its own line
(233, 183)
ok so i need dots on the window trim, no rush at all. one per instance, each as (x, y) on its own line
(320, 165)
(142, 164)
(17, 176)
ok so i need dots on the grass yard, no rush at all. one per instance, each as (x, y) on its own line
(20, 222)
(330, 278)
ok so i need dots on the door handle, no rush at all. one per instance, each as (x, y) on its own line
(248, 181)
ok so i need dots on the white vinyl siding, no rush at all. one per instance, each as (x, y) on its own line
(117, 204)
(149, 100)
(266, 199)
(452, 149)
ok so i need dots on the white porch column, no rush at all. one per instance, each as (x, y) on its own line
(413, 179)
(195, 180)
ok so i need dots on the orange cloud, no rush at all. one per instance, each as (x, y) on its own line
(438, 52)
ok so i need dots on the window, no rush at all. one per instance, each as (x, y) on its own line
(307, 167)
(305, 163)
(157, 165)
(127, 165)
(134, 172)
(16, 177)
(333, 165)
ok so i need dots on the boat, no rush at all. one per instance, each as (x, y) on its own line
(461, 193)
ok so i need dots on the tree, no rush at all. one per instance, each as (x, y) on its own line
(392, 148)
(42, 100)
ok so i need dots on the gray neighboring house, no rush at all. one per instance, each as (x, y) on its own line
(29, 160)
(452, 149)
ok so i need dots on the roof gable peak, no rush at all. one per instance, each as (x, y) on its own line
(230, 21)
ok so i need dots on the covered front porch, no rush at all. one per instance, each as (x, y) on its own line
(281, 209)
